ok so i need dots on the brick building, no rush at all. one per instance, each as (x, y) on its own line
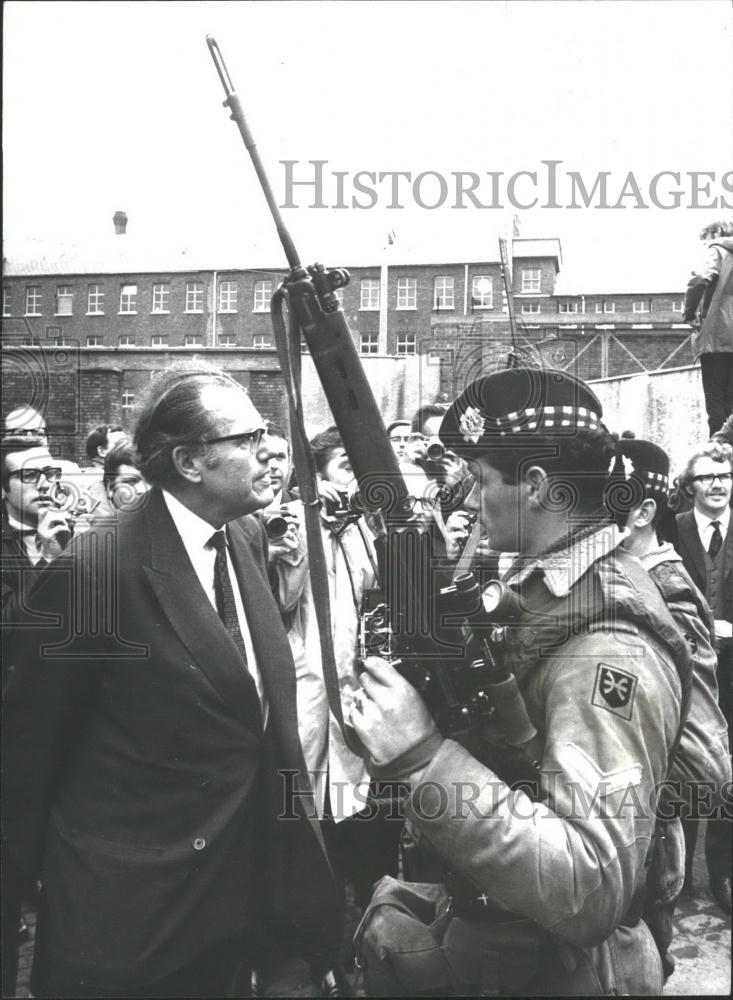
(84, 327)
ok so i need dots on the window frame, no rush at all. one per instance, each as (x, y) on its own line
(404, 340)
(194, 291)
(530, 284)
(262, 290)
(449, 289)
(406, 291)
(475, 294)
(128, 298)
(369, 305)
(162, 289)
(371, 340)
(34, 292)
(232, 294)
(65, 292)
(98, 295)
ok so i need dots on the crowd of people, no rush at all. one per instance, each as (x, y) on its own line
(181, 804)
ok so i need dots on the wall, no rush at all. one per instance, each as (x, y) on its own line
(666, 407)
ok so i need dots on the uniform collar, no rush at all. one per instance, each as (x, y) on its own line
(563, 568)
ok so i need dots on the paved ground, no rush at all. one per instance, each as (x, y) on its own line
(702, 950)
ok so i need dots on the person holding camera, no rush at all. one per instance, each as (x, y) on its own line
(362, 841)
(34, 530)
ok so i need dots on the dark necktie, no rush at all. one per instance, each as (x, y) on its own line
(716, 541)
(224, 593)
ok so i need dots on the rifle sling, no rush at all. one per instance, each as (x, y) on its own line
(288, 349)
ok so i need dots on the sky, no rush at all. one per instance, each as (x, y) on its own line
(111, 106)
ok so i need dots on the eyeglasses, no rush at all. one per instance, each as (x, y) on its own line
(29, 432)
(251, 438)
(31, 477)
(708, 478)
(399, 438)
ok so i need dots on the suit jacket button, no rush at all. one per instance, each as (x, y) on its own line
(199, 844)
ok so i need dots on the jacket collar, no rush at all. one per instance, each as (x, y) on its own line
(562, 569)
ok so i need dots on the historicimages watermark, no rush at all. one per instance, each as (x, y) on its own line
(549, 184)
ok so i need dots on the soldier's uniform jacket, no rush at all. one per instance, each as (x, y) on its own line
(702, 755)
(605, 675)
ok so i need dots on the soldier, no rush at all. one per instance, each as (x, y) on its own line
(701, 759)
(549, 888)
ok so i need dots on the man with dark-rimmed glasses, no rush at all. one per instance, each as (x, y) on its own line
(146, 726)
(705, 542)
(34, 530)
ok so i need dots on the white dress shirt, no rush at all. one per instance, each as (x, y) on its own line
(195, 534)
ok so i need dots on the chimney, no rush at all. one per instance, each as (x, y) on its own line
(120, 221)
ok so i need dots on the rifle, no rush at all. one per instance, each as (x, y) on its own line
(408, 621)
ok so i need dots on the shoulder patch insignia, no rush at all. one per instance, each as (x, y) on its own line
(614, 690)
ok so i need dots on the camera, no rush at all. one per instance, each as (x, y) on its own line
(337, 508)
(276, 526)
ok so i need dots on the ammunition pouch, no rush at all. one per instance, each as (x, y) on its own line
(411, 942)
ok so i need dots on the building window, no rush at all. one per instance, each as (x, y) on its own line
(407, 293)
(228, 297)
(64, 300)
(609, 307)
(443, 293)
(406, 343)
(482, 292)
(227, 340)
(263, 294)
(369, 293)
(6, 302)
(94, 341)
(192, 340)
(530, 307)
(158, 340)
(161, 297)
(641, 306)
(260, 342)
(126, 340)
(531, 277)
(128, 400)
(33, 300)
(194, 296)
(95, 300)
(677, 306)
(128, 299)
(568, 307)
(369, 343)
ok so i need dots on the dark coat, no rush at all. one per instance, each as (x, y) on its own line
(690, 548)
(138, 782)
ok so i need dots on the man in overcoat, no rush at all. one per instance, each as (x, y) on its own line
(154, 780)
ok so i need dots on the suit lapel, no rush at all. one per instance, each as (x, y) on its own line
(690, 536)
(192, 617)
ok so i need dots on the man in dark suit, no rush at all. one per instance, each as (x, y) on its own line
(705, 542)
(150, 706)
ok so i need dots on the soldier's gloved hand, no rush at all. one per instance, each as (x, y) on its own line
(392, 721)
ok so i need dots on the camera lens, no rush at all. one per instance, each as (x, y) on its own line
(276, 527)
(435, 451)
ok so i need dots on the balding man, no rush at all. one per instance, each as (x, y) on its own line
(146, 722)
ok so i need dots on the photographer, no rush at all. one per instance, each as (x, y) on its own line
(546, 883)
(360, 839)
(34, 530)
